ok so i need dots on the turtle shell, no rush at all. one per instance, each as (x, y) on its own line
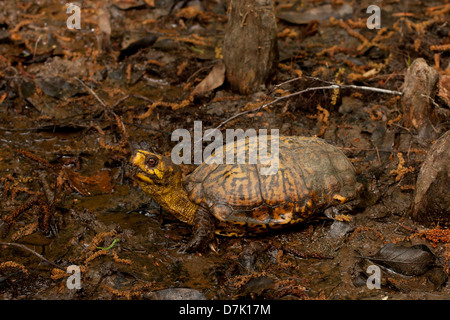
(311, 175)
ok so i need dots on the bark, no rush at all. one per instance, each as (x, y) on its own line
(418, 92)
(250, 50)
(431, 195)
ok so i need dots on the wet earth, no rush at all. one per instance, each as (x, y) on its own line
(71, 112)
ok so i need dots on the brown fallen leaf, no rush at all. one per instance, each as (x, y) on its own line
(212, 81)
(98, 183)
(150, 3)
(411, 261)
(3, 97)
(128, 4)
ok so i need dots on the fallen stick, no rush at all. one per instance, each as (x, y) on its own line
(330, 87)
(351, 86)
(33, 252)
(107, 109)
(343, 86)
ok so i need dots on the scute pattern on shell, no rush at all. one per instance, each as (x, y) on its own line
(312, 176)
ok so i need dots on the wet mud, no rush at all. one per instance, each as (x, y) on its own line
(71, 112)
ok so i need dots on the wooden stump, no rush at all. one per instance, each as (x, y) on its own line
(418, 92)
(250, 50)
(432, 191)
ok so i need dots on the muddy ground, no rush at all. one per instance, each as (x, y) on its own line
(70, 110)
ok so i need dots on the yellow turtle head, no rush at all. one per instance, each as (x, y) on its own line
(154, 172)
(161, 179)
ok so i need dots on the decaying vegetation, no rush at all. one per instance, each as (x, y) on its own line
(76, 102)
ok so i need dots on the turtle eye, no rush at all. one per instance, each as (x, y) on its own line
(152, 162)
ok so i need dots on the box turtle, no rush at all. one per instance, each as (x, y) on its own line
(236, 199)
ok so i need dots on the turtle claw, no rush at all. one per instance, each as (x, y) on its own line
(331, 213)
(196, 244)
(341, 209)
(203, 233)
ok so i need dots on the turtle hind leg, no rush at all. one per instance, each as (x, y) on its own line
(342, 209)
(203, 233)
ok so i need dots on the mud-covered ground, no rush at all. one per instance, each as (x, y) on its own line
(70, 110)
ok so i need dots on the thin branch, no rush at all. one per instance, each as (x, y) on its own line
(33, 252)
(35, 46)
(397, 93)
(120, 101)
(288, 81)
(92, 92)
(345, 86)
(138, 96)
(108, 109)
(333, 86)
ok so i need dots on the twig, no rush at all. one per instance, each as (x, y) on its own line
(92, 92)
(120, 101)
(269, 104)
(409, 229)
(138, 96)
(344, 86)
(351, 86)
(431, 99)
(333, 86)
(288, 81)
(33, 252)
(35, 46)
(196, 72)
(108, 109)
(379, 158)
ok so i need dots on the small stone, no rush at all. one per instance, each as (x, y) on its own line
(339, 229)
(177, 294)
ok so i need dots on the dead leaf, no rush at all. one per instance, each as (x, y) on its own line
(410, 261)
(128, 4)
(98, 183)
(212, 81)
(3, 97)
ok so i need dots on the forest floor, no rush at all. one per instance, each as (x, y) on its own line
(70, 111)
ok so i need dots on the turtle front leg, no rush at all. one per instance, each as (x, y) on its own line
(203, 232)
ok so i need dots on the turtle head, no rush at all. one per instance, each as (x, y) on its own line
(154, 172)
(161, 179)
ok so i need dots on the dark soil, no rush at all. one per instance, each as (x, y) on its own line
(71, 111)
